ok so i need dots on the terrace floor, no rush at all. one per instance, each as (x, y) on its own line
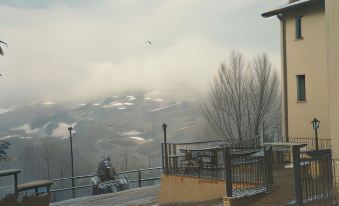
(283, 189)
(282, 194)
(146, 196)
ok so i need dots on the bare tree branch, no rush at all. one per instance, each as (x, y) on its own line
(242, 96)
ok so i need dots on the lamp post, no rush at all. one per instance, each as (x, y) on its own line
(164, 127)
(72, 165)
(315, 124)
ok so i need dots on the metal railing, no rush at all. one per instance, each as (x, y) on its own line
(246, 169)
(62, 187)
(235, 144)
(250, 173)
(311, 142)
(316, 178)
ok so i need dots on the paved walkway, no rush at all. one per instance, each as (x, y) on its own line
(283, 191)
(146, 196)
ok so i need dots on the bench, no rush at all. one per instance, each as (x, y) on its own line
(41, 199)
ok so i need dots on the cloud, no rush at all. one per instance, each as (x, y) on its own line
(64, 51)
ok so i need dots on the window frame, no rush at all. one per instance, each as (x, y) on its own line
(298, 28)
(301, 95)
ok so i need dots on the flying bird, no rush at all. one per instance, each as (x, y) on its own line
(149, 42)
(1, 51)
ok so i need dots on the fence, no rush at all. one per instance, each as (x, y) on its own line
(245, 167)
(251, 174)
(316, 178)
(311, 142)
(62, 189)
(203, 159)
(282, 155)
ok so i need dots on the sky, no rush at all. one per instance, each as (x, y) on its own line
(81, 49)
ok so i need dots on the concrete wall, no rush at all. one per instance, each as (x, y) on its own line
(332, 36)
(308, 57)
(179, 189)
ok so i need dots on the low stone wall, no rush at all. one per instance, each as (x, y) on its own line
(181, 189)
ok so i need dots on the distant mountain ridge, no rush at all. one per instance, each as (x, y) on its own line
(110, 126)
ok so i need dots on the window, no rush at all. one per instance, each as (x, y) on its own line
(298, 27)
(301, 89)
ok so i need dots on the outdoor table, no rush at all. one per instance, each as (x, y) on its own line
(289, 145)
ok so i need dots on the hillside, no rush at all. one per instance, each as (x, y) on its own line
(126, 127)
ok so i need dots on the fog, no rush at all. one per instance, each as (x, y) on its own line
(77, 50)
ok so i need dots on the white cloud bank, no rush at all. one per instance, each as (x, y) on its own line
(62, 52)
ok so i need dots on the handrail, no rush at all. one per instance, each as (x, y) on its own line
(9, 172)
(119, 173)
(34, 185)
(138, 179)
(199, 142)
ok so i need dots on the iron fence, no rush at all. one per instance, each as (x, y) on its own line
(311, 143)
(282, 155)
(61, 189)
(203, 159)
(316, 178)
(235, 144)
(251, 173)
(246, 169)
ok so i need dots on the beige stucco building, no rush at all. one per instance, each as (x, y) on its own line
(310, 67)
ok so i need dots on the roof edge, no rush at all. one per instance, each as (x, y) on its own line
(285, 8)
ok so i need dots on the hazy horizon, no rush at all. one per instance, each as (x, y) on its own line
(77, 50)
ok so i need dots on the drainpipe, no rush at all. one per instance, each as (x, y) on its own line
(284, 74)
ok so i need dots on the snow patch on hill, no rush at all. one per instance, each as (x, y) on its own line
(3, 111)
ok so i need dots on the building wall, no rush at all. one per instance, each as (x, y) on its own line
(332, 36)
(308, 57)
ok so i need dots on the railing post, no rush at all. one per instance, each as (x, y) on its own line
(316, 140)
(164, 127)
(162, 157)
(268, 155)
(175, 160)
(72, 163)
(15, 183)
(228, 171)
(331, 178)
(139, 178)
(297, 175)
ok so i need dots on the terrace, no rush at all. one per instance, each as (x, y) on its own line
(239, 169)
(240, 174)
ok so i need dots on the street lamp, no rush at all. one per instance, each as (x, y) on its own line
(164, 127)
(72, 165)
(315, 124)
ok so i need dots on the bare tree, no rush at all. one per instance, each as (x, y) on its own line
(49, 153)
(263, 87)
(3, 147)
(241, 96)
(1, 50)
